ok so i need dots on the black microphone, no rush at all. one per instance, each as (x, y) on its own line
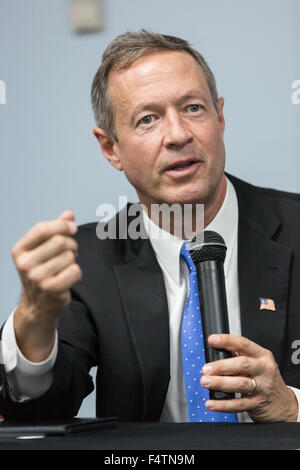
(208, 251)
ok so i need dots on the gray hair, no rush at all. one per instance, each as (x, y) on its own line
(121, 53)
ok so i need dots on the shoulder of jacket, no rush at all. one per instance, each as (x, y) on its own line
(263, 191)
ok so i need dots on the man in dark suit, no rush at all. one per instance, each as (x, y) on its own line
(159, 120)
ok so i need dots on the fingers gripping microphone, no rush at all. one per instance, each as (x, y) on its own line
(208, 251)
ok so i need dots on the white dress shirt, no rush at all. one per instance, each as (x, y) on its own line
(28, 380)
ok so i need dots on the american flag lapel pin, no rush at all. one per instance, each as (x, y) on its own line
(266, 304)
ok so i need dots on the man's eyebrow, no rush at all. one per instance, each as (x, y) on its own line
(143, 106)
(153, 105)
(192, 96)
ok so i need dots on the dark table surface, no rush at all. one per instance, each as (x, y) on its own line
(167, 436)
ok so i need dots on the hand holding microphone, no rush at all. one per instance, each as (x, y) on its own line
(253, 373)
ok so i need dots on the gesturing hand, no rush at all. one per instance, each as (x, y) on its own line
(45, 258)
(254, 374)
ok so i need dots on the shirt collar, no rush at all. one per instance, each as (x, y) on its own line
(167, 247)
(226, 221)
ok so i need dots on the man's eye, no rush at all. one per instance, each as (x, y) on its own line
(146, 120)
(194, 107)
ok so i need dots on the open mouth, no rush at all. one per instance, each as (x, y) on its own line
(181, 165)
(182, 168)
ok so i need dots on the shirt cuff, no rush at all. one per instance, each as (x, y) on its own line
(26, 379)
(297, 395)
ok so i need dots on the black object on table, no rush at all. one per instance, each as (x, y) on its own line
(114, 435)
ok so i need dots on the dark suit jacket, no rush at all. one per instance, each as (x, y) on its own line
(118, 318)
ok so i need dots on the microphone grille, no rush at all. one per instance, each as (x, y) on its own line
(207, 245)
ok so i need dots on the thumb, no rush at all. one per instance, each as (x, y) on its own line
(67, 215)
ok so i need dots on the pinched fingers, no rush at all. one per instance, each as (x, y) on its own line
(41, 232)
(45, 258)
(51, 267)
(63, 280)
(54, 246)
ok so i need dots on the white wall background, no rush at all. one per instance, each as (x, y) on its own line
(50, 160)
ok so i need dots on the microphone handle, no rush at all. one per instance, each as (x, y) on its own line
(214, 314)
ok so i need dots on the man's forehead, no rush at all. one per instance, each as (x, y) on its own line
(153, 67)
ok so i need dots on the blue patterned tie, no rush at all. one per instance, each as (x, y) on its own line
(193, 356)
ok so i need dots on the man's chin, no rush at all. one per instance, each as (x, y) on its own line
(179, 196)
(191, 197)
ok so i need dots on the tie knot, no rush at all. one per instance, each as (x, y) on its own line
(185, 254)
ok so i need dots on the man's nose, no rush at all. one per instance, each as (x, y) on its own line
(176, 132)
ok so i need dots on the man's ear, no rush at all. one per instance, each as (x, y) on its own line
(109, 147)
(221, 115)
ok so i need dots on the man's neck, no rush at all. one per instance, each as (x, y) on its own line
(212, 207)
(184, 221)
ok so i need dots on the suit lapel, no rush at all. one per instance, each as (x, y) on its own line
(264, 267)
(144, 301)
